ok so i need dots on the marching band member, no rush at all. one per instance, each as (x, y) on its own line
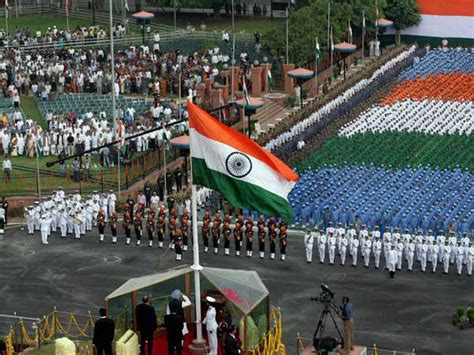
(77, 224)
(88, 212)
(45, 228)
(30, 220)
(37, 216)
(261, 239)
(63, 216)
(273, 239)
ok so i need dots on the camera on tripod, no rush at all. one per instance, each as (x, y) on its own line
(326, 296)
(325, 344)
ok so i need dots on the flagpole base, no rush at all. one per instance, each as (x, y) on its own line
(198, 347)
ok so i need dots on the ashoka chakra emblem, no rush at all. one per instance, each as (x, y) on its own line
(238, 164)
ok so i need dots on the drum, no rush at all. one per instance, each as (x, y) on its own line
(76, 220)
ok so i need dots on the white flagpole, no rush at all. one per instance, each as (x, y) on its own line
(112, 71)
(363, 33)
(332, 53)
(196, 267)
(329, 24)
(316, 66)
(286, 32)
(6, 20)
(233, 56)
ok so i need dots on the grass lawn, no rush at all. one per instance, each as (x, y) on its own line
(249, 25)
(45, 20)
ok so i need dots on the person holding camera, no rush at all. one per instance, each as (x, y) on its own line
(346, 315)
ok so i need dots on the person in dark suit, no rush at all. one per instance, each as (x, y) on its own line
(104, 332)
(231, 344)
(174, 326)
(146, 323)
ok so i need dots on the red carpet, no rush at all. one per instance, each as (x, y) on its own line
(160, 345)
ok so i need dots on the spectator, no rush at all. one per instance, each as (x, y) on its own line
(76, 170)
(7, 169)
(231, 344)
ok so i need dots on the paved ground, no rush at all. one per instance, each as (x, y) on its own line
(411, 311)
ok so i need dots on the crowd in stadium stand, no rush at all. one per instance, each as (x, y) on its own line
(50, 73)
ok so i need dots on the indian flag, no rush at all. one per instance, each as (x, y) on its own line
(247, 175)
(440, 19)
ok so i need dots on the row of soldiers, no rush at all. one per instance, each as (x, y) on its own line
(276, 234)
(395, 246)
(178, 228)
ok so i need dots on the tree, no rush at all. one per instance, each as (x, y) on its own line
(309, 22)
(403, 13)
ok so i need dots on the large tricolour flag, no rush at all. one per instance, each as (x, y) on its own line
(443, 19)
(248, 176)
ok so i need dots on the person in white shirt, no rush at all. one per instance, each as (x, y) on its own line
(308, 242)
(343, 249)
(446, 257)
(377, 251)
(411, 255)
(322, 247)
(470, 259)
(368, 249)
(434, 257)
(332, 248)
(354, 248)
(111, 198)
(45, 228)
(459, 258)
(392, 261)
(211, 325)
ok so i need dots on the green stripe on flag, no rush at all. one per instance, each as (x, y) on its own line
(240, 193)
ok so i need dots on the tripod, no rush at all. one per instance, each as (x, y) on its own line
(327, 311)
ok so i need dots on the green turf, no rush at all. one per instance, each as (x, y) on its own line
(395, 149)
(45, 20)
(249, 25)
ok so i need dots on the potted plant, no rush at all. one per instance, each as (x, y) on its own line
(460, 312)
(470, 315)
